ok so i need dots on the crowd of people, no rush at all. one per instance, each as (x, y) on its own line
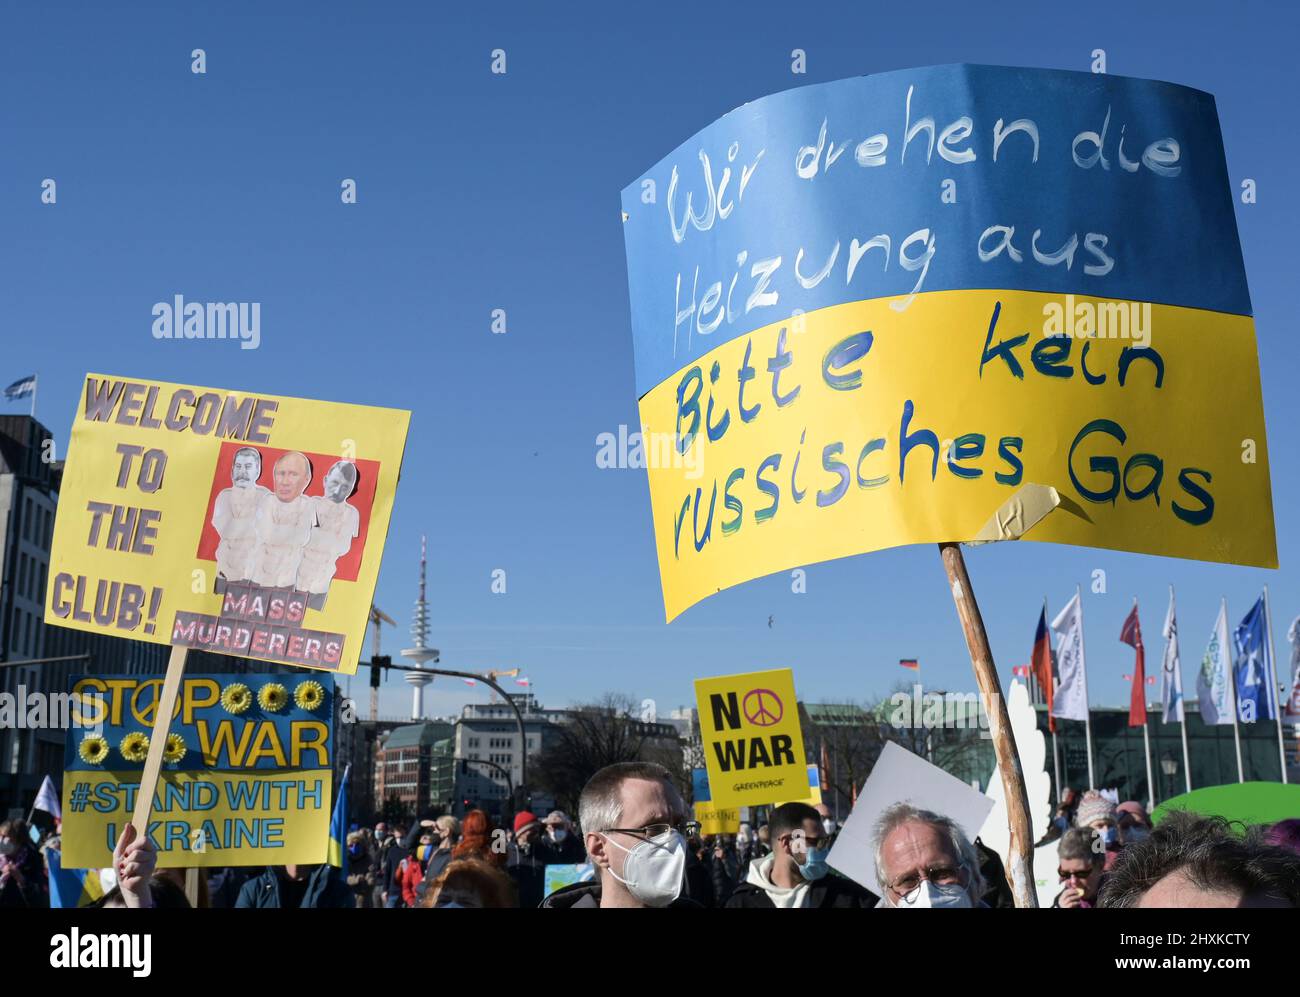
(643, 851)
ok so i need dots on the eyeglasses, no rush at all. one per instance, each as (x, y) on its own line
(938, 875)
(686, 828)
(1073, 874)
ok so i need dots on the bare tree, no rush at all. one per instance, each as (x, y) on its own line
(593, 736)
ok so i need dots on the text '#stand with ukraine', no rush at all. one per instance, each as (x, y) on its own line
(947, 305)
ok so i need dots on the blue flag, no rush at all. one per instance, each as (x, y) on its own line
(21, 388)
(1254, 667)
(339, 822)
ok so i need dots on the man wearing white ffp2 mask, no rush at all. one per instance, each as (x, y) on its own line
(633, 820)
(924, 859)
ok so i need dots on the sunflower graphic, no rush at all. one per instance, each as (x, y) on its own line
(236, 698)
(309, 695)
(135, 746)
(273, 697)
(93, 750)
(175, 749)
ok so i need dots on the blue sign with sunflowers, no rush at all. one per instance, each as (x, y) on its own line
(247, 769)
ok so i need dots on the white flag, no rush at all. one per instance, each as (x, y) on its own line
(1071, 698)
(48, 800)
(1171, 672)
(1214, 681)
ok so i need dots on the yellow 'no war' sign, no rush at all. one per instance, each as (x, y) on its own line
(753, 745)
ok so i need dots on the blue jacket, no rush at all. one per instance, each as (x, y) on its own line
(325, 888)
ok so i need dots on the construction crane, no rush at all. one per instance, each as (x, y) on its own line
(377, 616)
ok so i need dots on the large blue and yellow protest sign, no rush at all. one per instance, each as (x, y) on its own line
(865, 313)
(752, 742)
(246, 776)
(236, 522)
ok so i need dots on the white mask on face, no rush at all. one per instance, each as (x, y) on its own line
(654, 868)
(930, 895)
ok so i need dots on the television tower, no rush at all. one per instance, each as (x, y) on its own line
(421, 652)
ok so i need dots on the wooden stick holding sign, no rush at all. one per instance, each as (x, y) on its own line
(1021, 866)
(162, 722)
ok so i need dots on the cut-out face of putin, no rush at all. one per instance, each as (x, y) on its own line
(292, 473)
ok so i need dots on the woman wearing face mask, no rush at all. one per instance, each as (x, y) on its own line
(1098, 813)
(22, 873)
(1133, 823)
(795, 874)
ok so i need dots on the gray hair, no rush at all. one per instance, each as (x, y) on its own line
(600, 806)
(1081, 843)
(904, 813)
(1210, 854)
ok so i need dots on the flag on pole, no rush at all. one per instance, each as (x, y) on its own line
(1171, 670)
(1041, 662)
(1131, 634)
(1254, 666)
(21, 388)
(1291, 711)
(524, 681)
(339, 822)
(911, 663)
(1071, 702)
(1021, 671)
(470, 681)
(48, 800)
(1213, 682)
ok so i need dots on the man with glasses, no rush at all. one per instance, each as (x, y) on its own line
(1079, 859)
(796, 873)
(634, 823)
(924, 859)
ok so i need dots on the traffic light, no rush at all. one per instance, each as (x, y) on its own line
(377, 662)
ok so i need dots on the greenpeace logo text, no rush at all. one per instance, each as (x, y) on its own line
(91, 951)
(178, 319)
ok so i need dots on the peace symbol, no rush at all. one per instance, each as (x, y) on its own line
(762, 707)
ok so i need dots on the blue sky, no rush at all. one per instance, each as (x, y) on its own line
(477, 192)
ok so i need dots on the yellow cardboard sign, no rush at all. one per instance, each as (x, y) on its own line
(753, 744)
(247, 775)
(235, 522)
(717, 820)
(895, 421)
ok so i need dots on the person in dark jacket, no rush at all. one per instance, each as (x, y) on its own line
(795, 874)
(635, 827)
(446, 832)
(22, 870)
(699, 875)
(224, 885)
(297, 886)
(997, 891)
(561, 844)
(724, 865)
(525, 862)
(404, 842)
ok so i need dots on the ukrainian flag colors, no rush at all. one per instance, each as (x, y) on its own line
(866, 312)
